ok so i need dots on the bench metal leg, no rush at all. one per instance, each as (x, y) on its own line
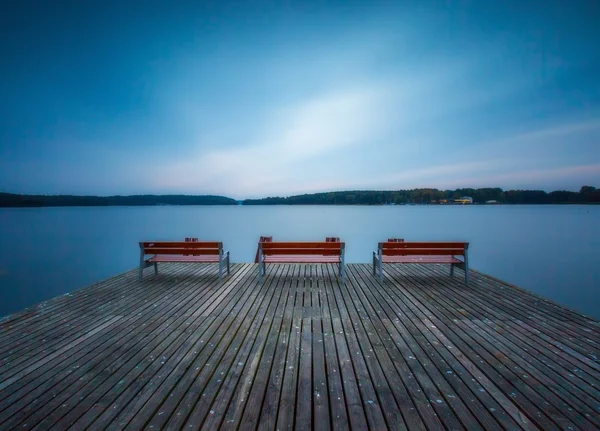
(374, 263)
(451, 270)
(464, 266)
(228, 270)
(142, 263)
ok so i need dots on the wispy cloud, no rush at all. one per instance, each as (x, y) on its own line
(301, 139)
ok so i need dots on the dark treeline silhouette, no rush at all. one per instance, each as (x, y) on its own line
(14, 200)
(587, 194)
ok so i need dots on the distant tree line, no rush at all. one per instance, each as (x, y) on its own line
(15, 200)
(586, 194)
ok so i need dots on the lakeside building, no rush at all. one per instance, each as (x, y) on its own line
(464, 200)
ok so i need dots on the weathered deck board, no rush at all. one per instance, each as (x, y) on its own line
(300, 350)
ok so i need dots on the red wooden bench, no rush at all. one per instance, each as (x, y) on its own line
(300, 252)
(189, 251)
(422, 252)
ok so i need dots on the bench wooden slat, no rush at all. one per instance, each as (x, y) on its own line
(169, 258)
(420, 259)
(302, 259)
(424, 251)
(300, 251)
(177, 244)
(182, 250)
(301, 244)
(423, 244)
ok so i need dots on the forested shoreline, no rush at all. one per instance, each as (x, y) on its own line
(586, 195)
(16, 200)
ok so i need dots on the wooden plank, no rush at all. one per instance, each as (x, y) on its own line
(65, 372)
(382, 369)
(533, 371)
(430, 378)
(186, 360)
(25, 322)
(549, 309)
(214, 419)
(204, 368)
(320, 407)
(48, 317)
(377, 416)
(252, 413)
(304, 398)
(255, 375)
(287, 403)
(410, 395)
(550, 318)
(54, 321)
(187, 351)
(528, 331)
(117, 363)
(274, 315)
(337, 395)
(110, 320)
(63, 334)
(143, 390)
(484, 376)
(482, 398)
(272, 398)
(530, 376)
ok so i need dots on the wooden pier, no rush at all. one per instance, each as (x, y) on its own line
(182, 350)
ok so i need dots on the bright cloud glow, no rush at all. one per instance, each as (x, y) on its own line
(300, 141)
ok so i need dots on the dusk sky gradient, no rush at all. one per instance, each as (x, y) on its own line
(255, 99)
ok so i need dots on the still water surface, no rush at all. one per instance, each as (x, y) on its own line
(551, 250)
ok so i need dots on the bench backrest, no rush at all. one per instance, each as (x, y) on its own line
(301, 248)
(422, 248)
(196, 248)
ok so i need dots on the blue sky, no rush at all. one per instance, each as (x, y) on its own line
(253, 99)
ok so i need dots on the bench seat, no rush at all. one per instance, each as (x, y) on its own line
(182, 252)
(300, 252)
(422, 252)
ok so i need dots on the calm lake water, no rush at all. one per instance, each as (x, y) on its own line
(551, 250)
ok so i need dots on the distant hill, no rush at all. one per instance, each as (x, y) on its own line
(16, 200)
(587, 194)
